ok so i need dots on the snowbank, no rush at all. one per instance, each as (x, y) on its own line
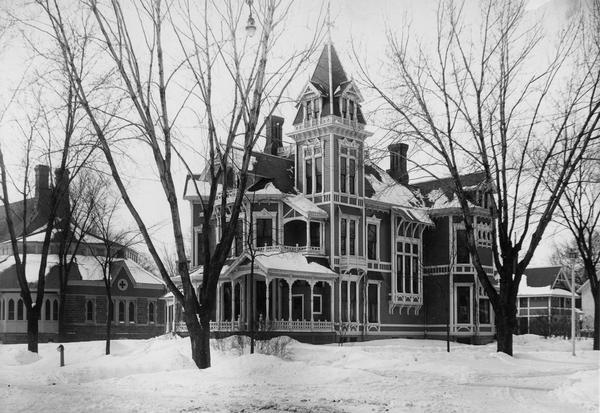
(385, 375)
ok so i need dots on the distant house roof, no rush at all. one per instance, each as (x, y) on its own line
(552, 276)
(527, 290)
(87, 268)
(18, 210)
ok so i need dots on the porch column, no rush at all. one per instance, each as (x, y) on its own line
(218, 310)
(312, 317)
(290, 283)
(268, 301)
(331, 298)
(357, 301)
(307, 234)
(348, 299)
(340, 303)
(232, 301)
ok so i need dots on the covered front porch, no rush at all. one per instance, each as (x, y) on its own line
(284, 292)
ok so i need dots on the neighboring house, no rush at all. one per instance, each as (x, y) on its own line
(544, 301)
(344, 248)
(587, 306)
(139, 310)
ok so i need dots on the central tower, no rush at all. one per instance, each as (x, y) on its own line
(329, 131)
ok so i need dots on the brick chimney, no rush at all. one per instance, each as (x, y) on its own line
(42, 181)
(398, 169)
(274, 134)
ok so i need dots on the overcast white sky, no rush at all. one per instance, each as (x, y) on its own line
(358, 23)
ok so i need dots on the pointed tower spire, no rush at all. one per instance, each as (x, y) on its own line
(329, 46)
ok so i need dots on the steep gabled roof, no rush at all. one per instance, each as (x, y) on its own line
(553, 277)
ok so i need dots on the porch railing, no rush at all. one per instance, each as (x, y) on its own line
(289, 248)
(275, 325)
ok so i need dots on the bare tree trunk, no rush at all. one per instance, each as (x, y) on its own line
(596, 295)
(33, 316)
(200, 339)
(109, 319)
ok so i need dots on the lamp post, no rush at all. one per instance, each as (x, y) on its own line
(251, 25)
(573, 256)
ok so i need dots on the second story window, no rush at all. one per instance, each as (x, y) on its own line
(348, 170)
(408, 258)
(348, 236)
(462, 251)
(313, 170)
(264, 231)
(372, 235)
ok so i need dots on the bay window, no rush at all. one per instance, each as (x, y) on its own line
(408, 257)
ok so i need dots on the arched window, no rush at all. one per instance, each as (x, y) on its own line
(121, 312)
(55, 310)
(11, 309)
(131, 312)
(151, 312)
(20, 310)
(48, 314)
(89, 311)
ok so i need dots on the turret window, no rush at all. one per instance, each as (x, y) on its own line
(313, 170)
(348, 170)
(312, 109)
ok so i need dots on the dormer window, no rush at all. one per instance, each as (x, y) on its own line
(312, 109)
(349, 108)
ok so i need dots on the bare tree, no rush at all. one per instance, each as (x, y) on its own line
(486, 103)
(147, 80)
(114, 238)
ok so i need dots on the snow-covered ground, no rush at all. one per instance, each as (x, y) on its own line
(378, 376)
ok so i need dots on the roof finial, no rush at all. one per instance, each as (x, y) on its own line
(329, 24)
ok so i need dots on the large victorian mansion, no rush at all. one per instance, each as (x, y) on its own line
(343, 248)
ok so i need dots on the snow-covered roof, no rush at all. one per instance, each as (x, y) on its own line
(39, 234)
(277, 262)
(89, 268)
(387, 190)
(546, 291)
(290, 262)
(304, 206)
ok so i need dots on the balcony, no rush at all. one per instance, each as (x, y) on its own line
(348, 262)
(303, 249)
(327, 120)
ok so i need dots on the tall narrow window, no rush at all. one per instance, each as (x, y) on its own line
(462, 252)
(121, 312)
(309, 179)
(20, 310)
(131, 312)
(309, 110)
(315, 234)
(484, 310)
(89, 311)
(352, 176)
(352, 237)
(319, 174)
(47, 312)
(343, 173)
(353, 315)
(55, 310)
(372, 241)
(151, 312)
(11, 309)
(343, 236)
(408, 268)
(264, 234)
(344, 288)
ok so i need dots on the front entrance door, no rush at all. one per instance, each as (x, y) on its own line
(463, 308)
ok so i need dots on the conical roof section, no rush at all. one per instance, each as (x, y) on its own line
(321, 73)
